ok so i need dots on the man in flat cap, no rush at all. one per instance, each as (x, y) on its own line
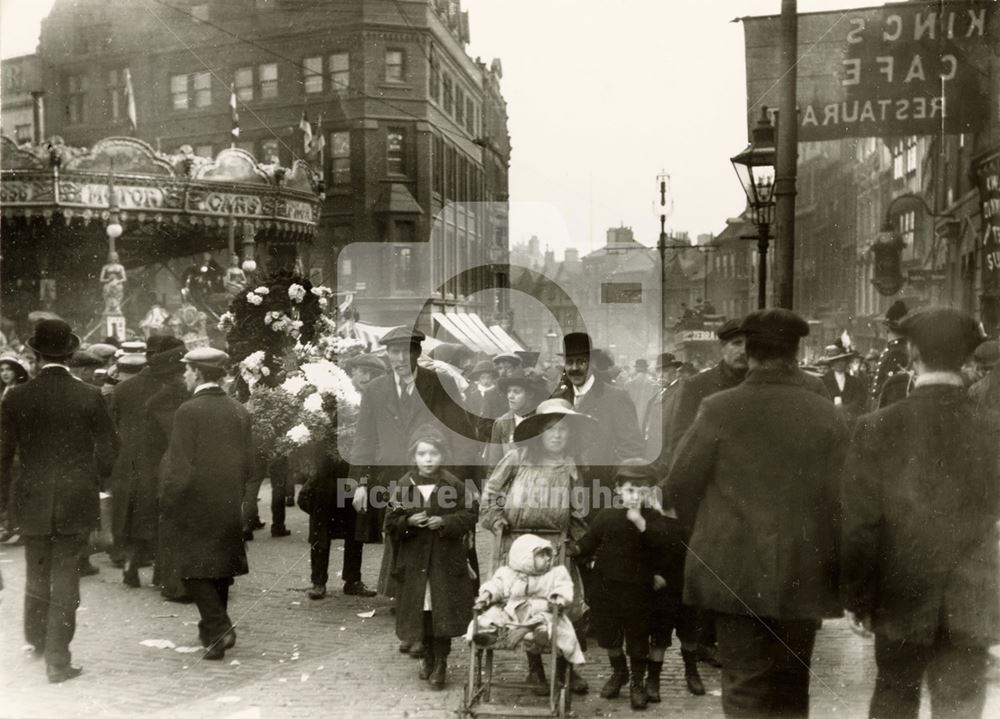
(60, 429)
(757, 477)
(920, 563)
(392, 408)
(893, 359)
(209, 460)
(985, 392)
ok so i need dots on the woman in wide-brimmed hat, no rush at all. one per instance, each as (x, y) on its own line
(537, 486)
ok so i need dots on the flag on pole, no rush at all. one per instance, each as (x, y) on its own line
(236, 116)
(130, 101)
(307, 133)
(320, 141)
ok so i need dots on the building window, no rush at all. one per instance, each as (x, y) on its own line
(244, 83)
(447, 98)
(395, 150)
(267, 77)
(76, 96)
(911, 155)
(204, 151)
(907, 227)
(340, 71)
(459, 106)
(437, 164)
(269, 151)
(22, 133)
(394, 66)
(434, 80)
(116, 94)
(202, 89)
(179, 92)
(180, 96)
(199, 13)
(470, 116)
(340, 151)
(312, 75)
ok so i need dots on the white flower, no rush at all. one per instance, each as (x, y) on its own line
(328, 378)
(323, 302)
(313, 403)
(226, 322)
(294, 384)
(262, 290)
(299, 434)
(321, 291)
(266, 371)
(255, 299)
(296, 292)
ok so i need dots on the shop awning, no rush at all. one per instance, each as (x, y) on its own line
(471, 331)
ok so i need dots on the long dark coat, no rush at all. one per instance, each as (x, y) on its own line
(893, 360)
(758, 475)
(435, 557)
(687, 400)
(209, 459)
(921, 500)
(380, 453)
(134, 478)
(60, 430)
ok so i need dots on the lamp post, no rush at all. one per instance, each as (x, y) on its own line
(755, 167)
(114, 227)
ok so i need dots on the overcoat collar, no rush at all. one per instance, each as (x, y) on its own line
(789, 375)
(214, 389)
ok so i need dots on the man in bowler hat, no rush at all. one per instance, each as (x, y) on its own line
(62, 432)
(920, 562)
(209, 460)
(757, 477)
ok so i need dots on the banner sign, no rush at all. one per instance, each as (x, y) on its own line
(902, 69)
(987, 172)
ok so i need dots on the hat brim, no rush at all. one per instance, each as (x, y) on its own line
(537, 385)
(19, 369)
(532, 426)
(72, 346)
(836, 358)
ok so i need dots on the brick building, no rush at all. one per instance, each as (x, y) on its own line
(415, 131)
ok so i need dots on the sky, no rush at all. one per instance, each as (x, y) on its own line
(602, 97)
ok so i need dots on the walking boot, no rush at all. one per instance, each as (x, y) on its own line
(536, 675)
(637, 685)
(358, 588)
(280, 530)
(691, 676)
(318, 591)
(440, 672)
(130, 577)
(619, 678)
(427, 663)
(577, 684)
(709, 654)
(653, 670)
(416, 650)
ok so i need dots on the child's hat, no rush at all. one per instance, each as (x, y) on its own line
(636, 469)
(430, 434)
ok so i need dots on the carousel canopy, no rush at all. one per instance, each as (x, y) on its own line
(52, 179)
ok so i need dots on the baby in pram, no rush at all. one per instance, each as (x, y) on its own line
(513, 607)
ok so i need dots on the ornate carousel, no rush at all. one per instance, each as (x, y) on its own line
(99, 236)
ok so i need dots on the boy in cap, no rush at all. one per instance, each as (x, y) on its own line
(920, 565)
(631, 543)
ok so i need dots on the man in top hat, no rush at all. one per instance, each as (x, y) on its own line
(60, 429)
(207, 463)
(393, 406)
(893, 359)
(134, 479)
(920, 565)
(847, 391)
(756, 477)
(616, 435)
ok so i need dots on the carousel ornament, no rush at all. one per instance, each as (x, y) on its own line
(113, 279)
(235, 279)
(155, 321)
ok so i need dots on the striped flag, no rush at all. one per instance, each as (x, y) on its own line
(307, 133)
(236, 115)
(130, 101)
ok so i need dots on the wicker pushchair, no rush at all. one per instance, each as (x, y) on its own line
(477, 697)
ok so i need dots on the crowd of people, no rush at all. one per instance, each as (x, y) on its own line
(735, 508)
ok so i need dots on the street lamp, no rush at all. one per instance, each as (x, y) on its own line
(755, 168)
(888, 245)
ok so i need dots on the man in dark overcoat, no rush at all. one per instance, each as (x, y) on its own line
(60, 429)
(846, 391)
(921, 501)
(757, 477)
(134, 479)
(615, 436)
(208, 462)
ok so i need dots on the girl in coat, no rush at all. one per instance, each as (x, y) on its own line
(12, 373)
(429, 516)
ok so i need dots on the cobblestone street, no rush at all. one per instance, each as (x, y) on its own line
(302, 658)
